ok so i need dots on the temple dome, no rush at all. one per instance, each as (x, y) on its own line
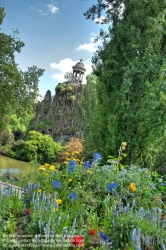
(79, 66)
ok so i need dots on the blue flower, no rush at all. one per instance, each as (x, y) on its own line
(70, 169)
(72, 166)
(57, 184)
(103, 236)
(96, 157)
(86, 164)
(72, 163)
(73, 196)
(111, 186)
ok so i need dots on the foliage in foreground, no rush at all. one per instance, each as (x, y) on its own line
(109, 206)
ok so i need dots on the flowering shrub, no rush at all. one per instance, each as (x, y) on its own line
(73, 147)
(109, 206)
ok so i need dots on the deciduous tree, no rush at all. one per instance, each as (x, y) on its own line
(18, 89)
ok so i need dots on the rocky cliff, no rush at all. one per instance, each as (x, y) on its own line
(58, 117)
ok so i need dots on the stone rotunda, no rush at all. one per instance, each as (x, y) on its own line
(78, 72)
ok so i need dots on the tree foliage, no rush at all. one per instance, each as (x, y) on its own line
(130, 67)
(18, 89)
(68, 77)
(41, 148)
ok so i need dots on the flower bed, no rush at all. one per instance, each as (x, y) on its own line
(88, 206)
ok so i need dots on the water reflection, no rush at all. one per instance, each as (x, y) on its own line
(13, 167)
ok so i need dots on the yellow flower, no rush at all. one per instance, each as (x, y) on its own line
(73, 153)
(70, 180)
(117, 202)
(55, 209)
(81, 162)
(45, 174)
(77, 160)
(47, 165)
(66, 153)
(89, 171)
(76, 152)
(42, 168)
(132, 187)
(65, 162)
(52, 168)
(67, 159)
(63, 174)
(58, 201)
(39, 190)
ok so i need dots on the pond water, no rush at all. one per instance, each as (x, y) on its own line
(13, 167)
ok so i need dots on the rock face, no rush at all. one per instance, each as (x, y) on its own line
(58, 117)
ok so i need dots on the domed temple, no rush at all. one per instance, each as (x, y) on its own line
(78, 72)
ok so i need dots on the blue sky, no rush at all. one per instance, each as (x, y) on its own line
(55, 33)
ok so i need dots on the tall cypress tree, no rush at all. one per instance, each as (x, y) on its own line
(130, 67)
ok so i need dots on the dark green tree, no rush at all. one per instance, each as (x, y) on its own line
(18, 90)
(132, 83)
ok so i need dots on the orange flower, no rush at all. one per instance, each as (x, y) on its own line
(132, 186)
(156, 198)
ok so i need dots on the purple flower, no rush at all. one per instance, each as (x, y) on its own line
(73, 196)
(103, 236)
(111, 186)
(57, 184)
(86, 164)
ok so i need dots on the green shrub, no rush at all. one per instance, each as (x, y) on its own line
(41, 147)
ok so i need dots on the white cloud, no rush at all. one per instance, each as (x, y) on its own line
(66, 65)
(52, 8)
(90, 47)
(87, 46)
(43, 13)
(59, 77)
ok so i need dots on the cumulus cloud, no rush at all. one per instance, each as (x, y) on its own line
(43, 13)
(66, 65)
(59, 77)
(52, 8)
(91, 46)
